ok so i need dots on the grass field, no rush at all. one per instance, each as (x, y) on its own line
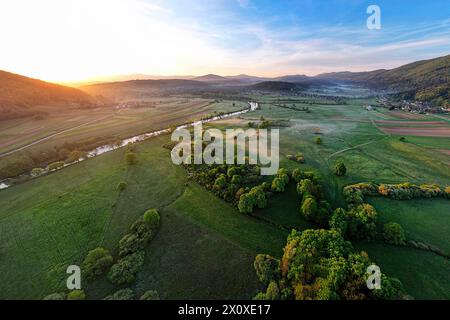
(205, 248)
(433, 215)
(424, 275)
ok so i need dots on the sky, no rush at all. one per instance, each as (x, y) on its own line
(77, 40)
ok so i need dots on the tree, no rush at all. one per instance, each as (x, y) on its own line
(125, 270)
(393, 233)
(150, 295)
(96, 263)
(246, 204)
(152, 218)
(221, 182)
(124, 294)
(306, 187)
(236, 180)
(309, 207)
(130, 158)
(258, 197)
(338, 221)
(278, 185)
(76, 295)
(340, 170)
(267, 268)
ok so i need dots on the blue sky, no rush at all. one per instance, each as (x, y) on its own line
(313, 36)
(64, 40)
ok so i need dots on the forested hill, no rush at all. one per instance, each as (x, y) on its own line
(427, 80)
(19, 94)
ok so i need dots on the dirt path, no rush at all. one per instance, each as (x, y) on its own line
(51, 136)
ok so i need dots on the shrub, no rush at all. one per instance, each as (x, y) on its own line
(124, 294)
(125, 270)
(55, 165)
(340, 170)
(76, 295)
(122, 186)
(318, 141)
(75, 156)
(96, 263)
(36, 172)
(150, 295)
(393, 233)
(152, 218)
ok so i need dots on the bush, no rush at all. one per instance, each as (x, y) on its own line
(36, 172)
(55, 165)
(75, 156)
(124, 294)
(340, 170)
(150, 295)
(393, 233)
(125, 270)
(152, 218)
(76, 295)
(122, 186)
(318, 141)
(96, 263)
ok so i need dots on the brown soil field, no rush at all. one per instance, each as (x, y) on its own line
(444, 151)
(419, 123)
(417, 131)
(406, 115)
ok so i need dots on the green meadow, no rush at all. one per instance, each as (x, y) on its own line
(205, 247)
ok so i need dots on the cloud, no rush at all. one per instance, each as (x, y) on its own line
(243, 3)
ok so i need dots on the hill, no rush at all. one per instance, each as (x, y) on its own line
(427, 80)
(270, 86)
(20, 95)
(140, 89)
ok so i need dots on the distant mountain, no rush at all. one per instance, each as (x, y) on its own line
(427, 80)
(210, 78)
(141, 89)
(271, 86)
(244, 78)
(19, 96)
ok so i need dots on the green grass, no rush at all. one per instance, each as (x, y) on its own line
(283, 210)
(424, 275)
(223, 218)
(423, 220)
(53, 221)
(205, 248)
